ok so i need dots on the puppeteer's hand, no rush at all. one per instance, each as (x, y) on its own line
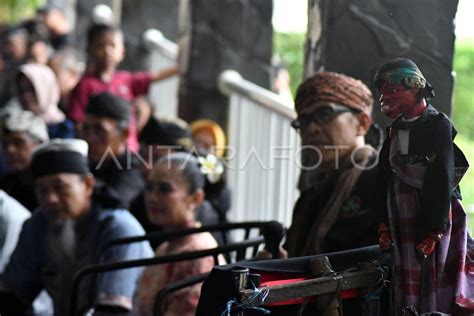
(428, 245)
(385, 241)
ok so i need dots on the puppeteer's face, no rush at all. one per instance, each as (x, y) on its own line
(337, 130)
(396, 99)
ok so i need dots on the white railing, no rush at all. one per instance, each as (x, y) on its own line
(164, 54)
(263, 155)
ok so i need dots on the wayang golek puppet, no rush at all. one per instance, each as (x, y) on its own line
(422, 220)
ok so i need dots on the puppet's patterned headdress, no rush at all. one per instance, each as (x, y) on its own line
(403, 71)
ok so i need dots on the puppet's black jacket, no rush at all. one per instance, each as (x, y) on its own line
(431, 142)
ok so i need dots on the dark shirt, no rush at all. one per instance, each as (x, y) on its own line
(122, 176)
(356, 225)
(20, 187)
(33, 265)
(64, 129)
(219, 195)
(60, 41)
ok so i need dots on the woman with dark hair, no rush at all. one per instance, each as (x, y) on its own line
(173, 196)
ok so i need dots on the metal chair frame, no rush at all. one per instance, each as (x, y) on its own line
(112, 266)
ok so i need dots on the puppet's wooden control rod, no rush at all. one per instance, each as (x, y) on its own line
(326, 283)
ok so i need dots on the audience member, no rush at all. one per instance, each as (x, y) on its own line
(174, 193)
(13, 51)
(12, 216)
(105, 129)
(14, 46)
(209, 138)
(68, 66)
(38, 92)
(158, 139)
(38, 50)
(21, 132)
(57, 24)
(67, 233)
(105, 51)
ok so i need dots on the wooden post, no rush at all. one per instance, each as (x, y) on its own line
(328, 304)
(374, 303)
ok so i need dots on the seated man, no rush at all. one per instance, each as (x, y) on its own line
(12, 217)
(105, 129)
(335, 209)
(21, 132)
(65, 234)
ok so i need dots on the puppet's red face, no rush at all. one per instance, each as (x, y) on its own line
(396, 99)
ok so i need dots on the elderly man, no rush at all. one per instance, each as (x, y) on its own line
(66, 233)
(105, 129)
(335, 210)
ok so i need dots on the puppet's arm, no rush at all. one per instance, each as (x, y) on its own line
(427, 245)
(385, 241)
(436, 196)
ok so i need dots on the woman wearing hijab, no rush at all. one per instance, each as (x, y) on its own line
(209, 140)
(38, 92)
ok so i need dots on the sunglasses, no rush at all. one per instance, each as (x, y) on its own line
(321, 115)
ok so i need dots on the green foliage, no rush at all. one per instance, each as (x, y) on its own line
(467, 184)
(12, 11)
(290, 48)
(463, 111)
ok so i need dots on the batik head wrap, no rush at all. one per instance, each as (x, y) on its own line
(334, 88)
